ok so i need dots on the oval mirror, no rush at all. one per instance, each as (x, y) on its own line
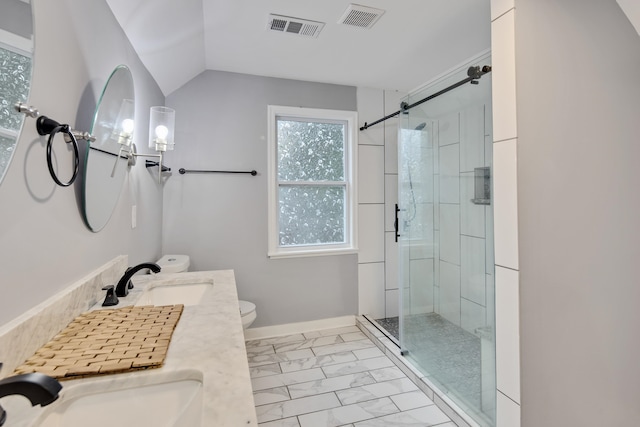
(16, 53)
(106, 162)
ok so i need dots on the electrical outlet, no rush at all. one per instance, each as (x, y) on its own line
(134, 216)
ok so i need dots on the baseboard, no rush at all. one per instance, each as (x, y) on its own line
(298, 328)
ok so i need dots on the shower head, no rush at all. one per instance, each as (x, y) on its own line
(420, 126)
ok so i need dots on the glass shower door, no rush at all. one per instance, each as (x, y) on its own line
(445, 223)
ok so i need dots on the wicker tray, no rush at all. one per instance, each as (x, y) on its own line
(107, 342)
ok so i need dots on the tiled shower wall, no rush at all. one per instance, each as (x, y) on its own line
(378, 192)
(463, 257)
(462, 142)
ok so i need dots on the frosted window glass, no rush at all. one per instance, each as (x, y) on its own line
(14, 81)
(311, 215)
(310, 151)
(7, 145)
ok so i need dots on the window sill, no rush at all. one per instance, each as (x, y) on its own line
(311, 253)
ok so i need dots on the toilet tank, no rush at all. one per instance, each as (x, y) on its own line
(174, 263)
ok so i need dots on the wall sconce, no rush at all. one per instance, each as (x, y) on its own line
(123, 129)
(161, 126)
(161, 130)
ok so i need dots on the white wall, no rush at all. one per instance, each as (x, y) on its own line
(221, 220)
(577, 68)
(44, 244)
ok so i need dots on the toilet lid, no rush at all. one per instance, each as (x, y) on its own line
(246, 307)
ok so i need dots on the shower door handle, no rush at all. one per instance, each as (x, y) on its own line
(395, 223)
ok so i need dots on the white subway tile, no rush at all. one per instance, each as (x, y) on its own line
(392, 303)
(371, 233)
(390, 200)
(500, 7)
(436, 198)
(422, 242)
(392, 101)
(450, 233)
(491, 298)
(436, 256)
(472, 269)
(370, 105)
(472, 138)
(450, 174)
(391, 149)
(508, 412)
(505, 207)
(391, 261)
(449, 129)
(371, 289)
(472, 219)
(450, 292)
(488, 120)
(504, 77)
(370, 174)
(472, 315)
(508, 332)
(421, 292)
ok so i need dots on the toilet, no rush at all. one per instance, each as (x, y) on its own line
(174, 264)
(247, 313)
(181, 263)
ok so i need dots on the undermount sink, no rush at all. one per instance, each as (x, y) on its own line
(174, 401)
(185, 293)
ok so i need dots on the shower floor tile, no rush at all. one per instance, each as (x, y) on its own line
(334, 377)
(448, 353)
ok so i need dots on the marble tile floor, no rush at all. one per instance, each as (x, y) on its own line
(334, 377)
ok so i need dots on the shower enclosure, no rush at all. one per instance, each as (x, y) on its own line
(445, 228)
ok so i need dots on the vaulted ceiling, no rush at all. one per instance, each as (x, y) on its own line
(412, 42)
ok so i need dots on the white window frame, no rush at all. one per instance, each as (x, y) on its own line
(351, 172)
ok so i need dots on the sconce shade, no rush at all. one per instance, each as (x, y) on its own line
(161, 128)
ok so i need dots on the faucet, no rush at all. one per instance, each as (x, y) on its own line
(40, 389)
(124, 284)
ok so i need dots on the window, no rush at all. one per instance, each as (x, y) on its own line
(312, 192)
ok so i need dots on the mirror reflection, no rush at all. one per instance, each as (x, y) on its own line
(16, 52)
(106, 163)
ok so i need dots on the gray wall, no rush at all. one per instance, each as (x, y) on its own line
(221, 220)
(16, 18)
(44, 244)
(579, 223)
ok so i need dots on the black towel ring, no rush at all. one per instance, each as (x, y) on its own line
(45, 125)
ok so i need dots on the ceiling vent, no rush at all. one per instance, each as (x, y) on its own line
(360, 16)
(301, 27)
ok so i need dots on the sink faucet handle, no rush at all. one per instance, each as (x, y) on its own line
(111, 298)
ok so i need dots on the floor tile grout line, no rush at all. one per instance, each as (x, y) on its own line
(321, 346)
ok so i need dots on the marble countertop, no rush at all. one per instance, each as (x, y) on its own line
(208, 339)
